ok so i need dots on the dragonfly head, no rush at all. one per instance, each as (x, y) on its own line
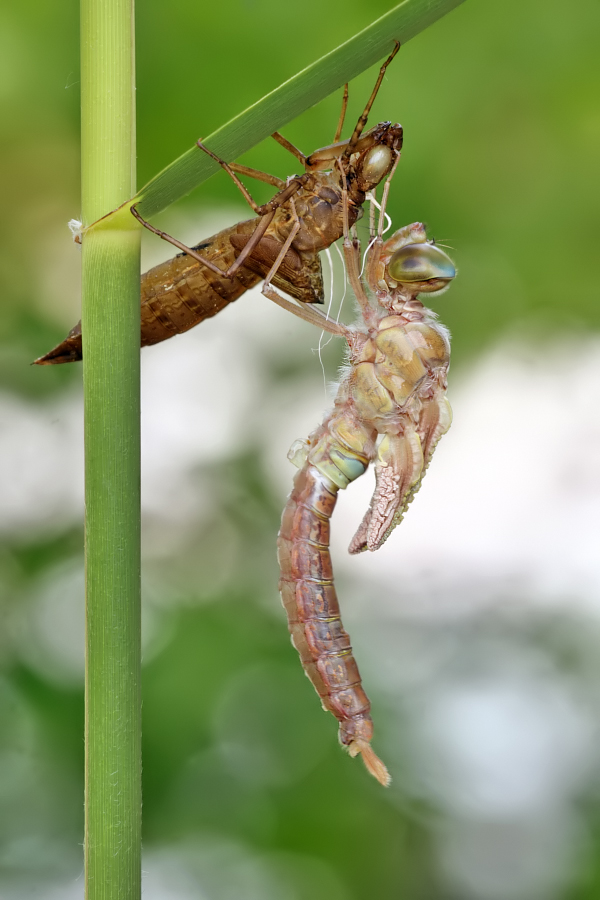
(414, 264)
(421, 264)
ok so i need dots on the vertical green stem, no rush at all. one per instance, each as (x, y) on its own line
(111, 342)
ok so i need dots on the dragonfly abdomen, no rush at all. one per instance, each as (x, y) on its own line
(309, 597)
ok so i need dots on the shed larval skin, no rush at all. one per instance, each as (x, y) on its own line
(182, 292)
(280, 245)
(390, 409)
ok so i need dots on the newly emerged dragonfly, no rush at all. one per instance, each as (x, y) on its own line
(390, 409)
(280, 245)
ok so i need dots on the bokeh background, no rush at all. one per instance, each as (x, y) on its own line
(477, 626)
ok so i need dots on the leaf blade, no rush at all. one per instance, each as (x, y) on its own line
(289, 100)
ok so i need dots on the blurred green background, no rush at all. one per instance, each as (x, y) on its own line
(476, 627)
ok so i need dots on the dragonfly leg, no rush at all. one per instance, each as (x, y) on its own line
(385, 195)
(362, 121)
(259, 231)
(280, 198)
(266, 213)
(241, 187)
(338, 131)
(287, 145)
(352, 257)
(285, 246)
(245, 192)
(265, 177)
(171, 240)
(309, 314)
(372, 267)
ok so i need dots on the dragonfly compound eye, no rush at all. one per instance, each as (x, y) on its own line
(421, 262)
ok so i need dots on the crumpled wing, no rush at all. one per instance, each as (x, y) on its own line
(402, 461)
(398, 471)
(434, 421)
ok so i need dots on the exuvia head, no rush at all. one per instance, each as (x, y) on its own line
(377, 150)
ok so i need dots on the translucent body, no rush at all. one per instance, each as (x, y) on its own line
(391, 409)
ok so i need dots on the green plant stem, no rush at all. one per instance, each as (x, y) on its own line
(111, 336)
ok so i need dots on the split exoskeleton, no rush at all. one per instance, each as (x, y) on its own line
(390, 409)
(281, 244)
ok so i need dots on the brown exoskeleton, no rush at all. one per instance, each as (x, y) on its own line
(280, 245)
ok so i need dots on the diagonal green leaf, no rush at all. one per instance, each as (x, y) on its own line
(290, 99)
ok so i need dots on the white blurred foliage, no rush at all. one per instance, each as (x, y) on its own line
(508, 744)
(48, 626)
(521, 858)
(487, 729)
(41, 464)
(208, 867)
(214, 868)
(195, 406)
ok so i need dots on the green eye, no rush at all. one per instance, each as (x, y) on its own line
(420, 262)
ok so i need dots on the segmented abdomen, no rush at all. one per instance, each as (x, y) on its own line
(308, 595)
(180, 293)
